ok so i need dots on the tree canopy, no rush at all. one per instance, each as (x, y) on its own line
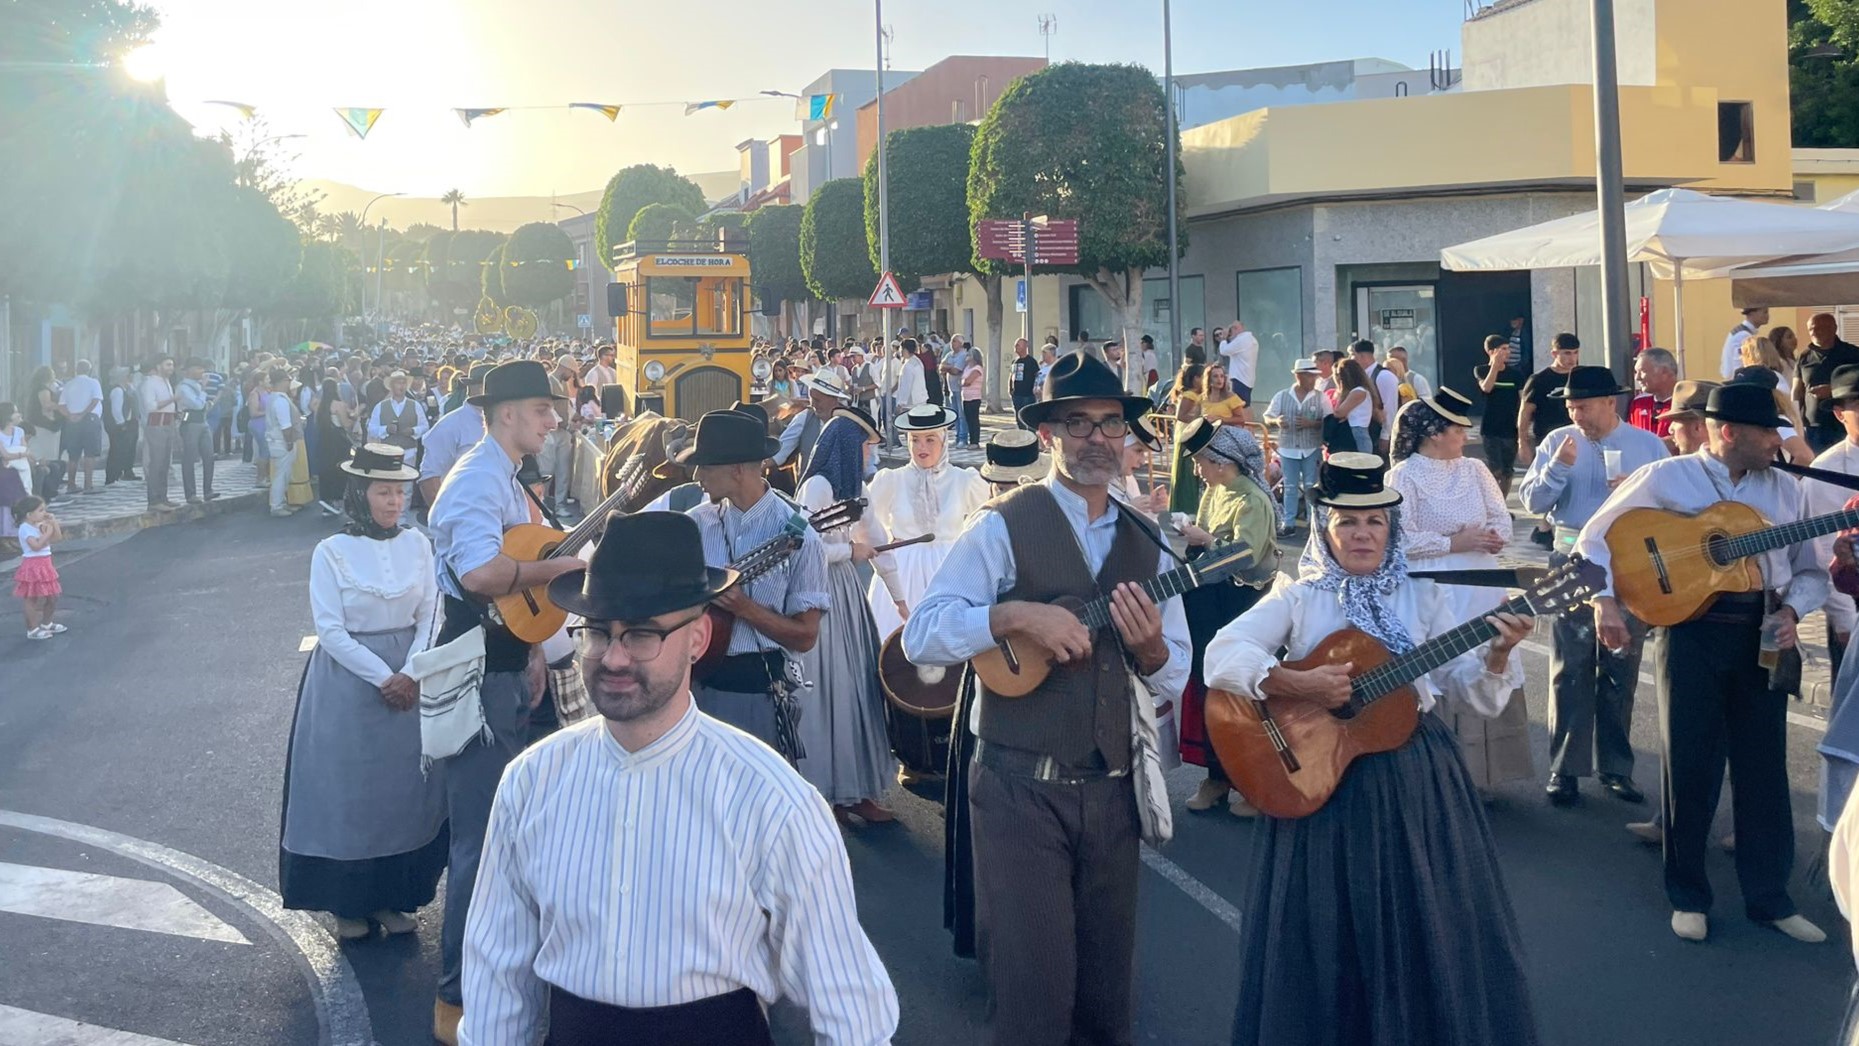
(1824, 91)
(535, 265)
(630, 191)
(927, 168)
(660, 223)
(455, 269)
(833, 253)
(491, 274)
(774, 253)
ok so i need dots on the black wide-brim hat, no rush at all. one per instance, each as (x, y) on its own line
(1195, 435)
(620, 583)
(1450, 405)
(728, 437)
(753, 410)
(1354, 480)
(1586, 383)
(1845, 382)
(1077, 377)
(382, 461)
(515, 380)
(1744, 403)
(474, 378)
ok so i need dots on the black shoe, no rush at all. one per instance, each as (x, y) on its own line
(1623, 789)
(1562, 790)
(1543, 538)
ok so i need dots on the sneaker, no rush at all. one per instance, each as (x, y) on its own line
(280, 513)
(53, 629)
(1693, 926)
(1207, 796)
(1648, 832)
(38, 633)
(196, 501)
(1800, 929)
(1239, 807)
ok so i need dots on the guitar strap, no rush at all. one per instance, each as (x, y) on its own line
(1838, 479)
(539, 506)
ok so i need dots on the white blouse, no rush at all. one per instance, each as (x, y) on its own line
(909, 502)
(1298, 617)
(816, 494)
(1439, 497)
(363, 585)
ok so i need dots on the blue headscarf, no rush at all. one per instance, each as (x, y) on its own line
(1364, 596)
(838, 455)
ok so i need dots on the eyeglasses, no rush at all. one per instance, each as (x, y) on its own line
(1081, 428)
(641, 644)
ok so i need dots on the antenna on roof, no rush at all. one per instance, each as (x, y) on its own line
(1048, 24)
(890, 36)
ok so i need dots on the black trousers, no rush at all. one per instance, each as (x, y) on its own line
(1055, 907)
(971, 410)
(1715, 703)
(732, 1019)
(1591, 695)
(121, 459)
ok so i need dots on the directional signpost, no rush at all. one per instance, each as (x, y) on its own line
(888, 294)
(1054, 242)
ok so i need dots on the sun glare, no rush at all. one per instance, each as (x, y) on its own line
(144, 64)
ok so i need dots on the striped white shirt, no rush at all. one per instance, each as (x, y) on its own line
(696, 866)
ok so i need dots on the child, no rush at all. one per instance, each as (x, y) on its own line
(36, 581)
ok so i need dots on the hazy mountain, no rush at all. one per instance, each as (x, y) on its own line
(498, 213)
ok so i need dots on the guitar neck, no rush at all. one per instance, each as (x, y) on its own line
(586, 530)
(1782, 535)
(1096, 613)
(1379, 682)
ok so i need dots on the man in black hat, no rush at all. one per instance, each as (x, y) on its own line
(477, 501)
(1055, 820)
(1714, 695)
(676, 838)
(1591, 685)
(777, 612)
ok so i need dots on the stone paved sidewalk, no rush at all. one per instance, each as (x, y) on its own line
(123, 506)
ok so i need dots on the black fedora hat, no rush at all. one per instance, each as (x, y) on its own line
(474, 378)
(1845, 383)
(1077, 377)
(728, 437)
(1354, 480)
(1450, 405)
(1744, 403)
(753, 410)
(619, 584)
(380, 461)
(1586, 383)
(516, 380)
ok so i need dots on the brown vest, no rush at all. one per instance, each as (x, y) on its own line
(1080, 716)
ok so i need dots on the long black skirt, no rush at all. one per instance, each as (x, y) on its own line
(1382, 919)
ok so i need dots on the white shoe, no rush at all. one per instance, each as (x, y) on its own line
(328, 509)
(38, 633)
(393, 922)
(54, 628)
(1800, 929)
(1693, 926)
(1239, 807)
(1207, 796)
(280, 513)
(352, 929)
(1650, 832)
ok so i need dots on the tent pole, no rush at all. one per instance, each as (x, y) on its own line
(1678, 313)
(1610, 193)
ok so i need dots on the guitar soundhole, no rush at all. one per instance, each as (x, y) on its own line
(1346, 712)
(1717, 548)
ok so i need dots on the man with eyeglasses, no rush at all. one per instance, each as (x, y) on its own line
(655, 876)
(1062, 788)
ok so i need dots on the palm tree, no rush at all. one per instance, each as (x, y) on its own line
(456, 199)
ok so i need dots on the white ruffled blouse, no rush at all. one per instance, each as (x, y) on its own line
(362, 585)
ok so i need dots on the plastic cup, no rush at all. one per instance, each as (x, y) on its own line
(1769, 651)
(1612, 458)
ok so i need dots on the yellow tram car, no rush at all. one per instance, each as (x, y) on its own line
(681, 326)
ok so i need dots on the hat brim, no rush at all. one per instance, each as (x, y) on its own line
(905, 423)
(1684, 414)
(403, 474)
(689, 457)
(1017, 473)
(1378, 499)
(1134, 407)
(811, 385)
(566, 592)
(1564, 393)
(1450, 415)
(482, 400)
(1770, 421)
(872, 435)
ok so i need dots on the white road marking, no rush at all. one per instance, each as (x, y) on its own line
(1801, 719)
(108, 900)
(341, 1010)
(1202, 894)
(306, 644)
(43, 1029)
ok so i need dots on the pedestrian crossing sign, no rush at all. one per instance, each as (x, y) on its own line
(888, 294)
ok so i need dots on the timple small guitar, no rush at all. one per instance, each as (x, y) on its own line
(1286, 756)
(767, 556)
(1669, 568)
(1013, 668)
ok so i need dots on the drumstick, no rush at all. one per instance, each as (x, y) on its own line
(918, 540)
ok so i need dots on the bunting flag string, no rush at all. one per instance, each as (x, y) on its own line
(245, 111)
(611, 112)
(818, 107)
(361, 121)
(715, 103)
(468, 115)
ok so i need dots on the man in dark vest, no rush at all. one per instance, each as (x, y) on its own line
(1053, 804)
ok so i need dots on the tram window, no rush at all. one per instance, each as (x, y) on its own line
(720, 306)
(674, 306)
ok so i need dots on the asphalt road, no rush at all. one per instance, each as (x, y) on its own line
(148, 744)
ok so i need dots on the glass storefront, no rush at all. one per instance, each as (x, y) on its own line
(1271, 305)
(1089, 311)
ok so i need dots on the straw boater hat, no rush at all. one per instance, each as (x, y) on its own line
(864, 421)
(826, 383)
(380, 461)
(1450, 405)
(619, 584)
(1689, 398)
(1352, 480)
(925, 417)
(1013, 456)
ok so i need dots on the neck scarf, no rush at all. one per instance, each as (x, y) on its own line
(361, 522)
(1364, 596)
(924, 486)
(838, 455)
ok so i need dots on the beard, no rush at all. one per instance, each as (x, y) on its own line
(1090, 466)
(645, 697)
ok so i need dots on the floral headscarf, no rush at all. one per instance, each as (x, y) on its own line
(1237, 444)
(1415, 423)
(1364, 596)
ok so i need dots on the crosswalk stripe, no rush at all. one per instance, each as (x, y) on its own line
(43, 1029)
(108, 900)
(1817, 724)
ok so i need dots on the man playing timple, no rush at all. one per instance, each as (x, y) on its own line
(685, 874)
(1591, 686)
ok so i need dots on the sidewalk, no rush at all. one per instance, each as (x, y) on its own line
(122, 506)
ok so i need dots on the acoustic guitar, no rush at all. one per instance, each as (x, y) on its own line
(1014, 668)
(1286, 756)
(1669, 567)
(765, 557)
(529, 615)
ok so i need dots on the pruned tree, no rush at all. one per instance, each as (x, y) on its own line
(535, 266)
(661, 223)
(928, 198)
(631, 191)
(774, 257)
(1086, 142)
(834, 256)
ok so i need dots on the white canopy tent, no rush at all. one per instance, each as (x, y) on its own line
(1803, 279)
(1679, 232)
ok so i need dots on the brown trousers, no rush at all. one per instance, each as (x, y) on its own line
(1055, 900)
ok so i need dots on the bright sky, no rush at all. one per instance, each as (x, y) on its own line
(419, 59)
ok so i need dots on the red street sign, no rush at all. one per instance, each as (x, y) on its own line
(1055, 243)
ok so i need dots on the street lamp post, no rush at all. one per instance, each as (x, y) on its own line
(884, 212)
(1610, 193)
(380, 250)
(1174, 248)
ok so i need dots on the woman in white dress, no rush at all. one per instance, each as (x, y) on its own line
(363, 830)
(848, 751)
(927, 496)
(1454, 518)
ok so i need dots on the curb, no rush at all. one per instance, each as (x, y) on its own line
(101, 528)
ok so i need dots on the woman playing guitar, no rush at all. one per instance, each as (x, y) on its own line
(1419, 956)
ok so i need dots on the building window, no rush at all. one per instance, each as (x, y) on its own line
(1736, 132)
(1271, 305)
(1806, 192)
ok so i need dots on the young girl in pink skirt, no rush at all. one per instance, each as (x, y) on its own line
(36, 581)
